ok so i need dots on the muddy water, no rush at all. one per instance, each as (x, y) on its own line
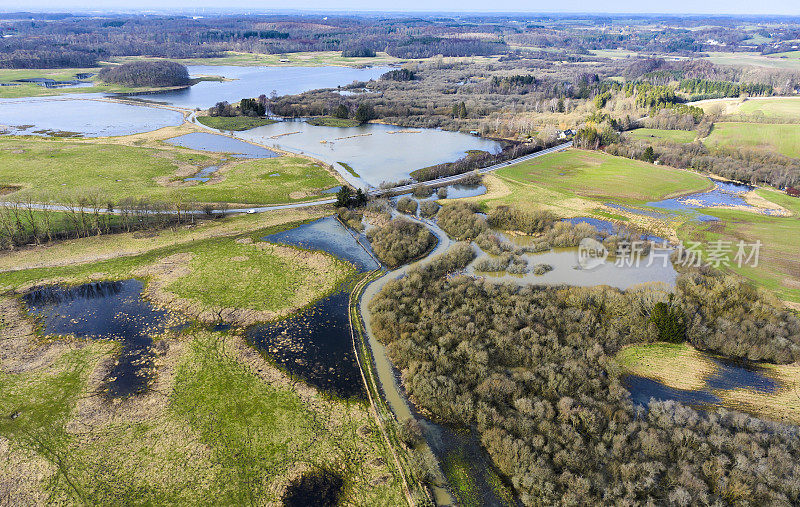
(653, 268)
(315, 343)
(109, 311)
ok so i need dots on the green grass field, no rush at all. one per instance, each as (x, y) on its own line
(757, 109)
(676, 136)
(778, 268)
(55, 170)
(782, 138)
(330, 121)
(225, 273)
(600, 176)
(217, 430)
(741, 59)
(34, 90)
(235, 123)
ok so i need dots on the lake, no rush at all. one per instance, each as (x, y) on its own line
(376, 152)
(250, 82)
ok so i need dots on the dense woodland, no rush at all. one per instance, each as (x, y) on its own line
(36, 40)
(531, 370)
(146, 74)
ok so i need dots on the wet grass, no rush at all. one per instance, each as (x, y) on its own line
(129, 252)
(42, 400)
(686, 367)
(349, 169)
(222, 436)
(457, 471)
(55, 169)
(778, 268)
(235, 123)
(681, 366)
(780, 138)
(228, 274)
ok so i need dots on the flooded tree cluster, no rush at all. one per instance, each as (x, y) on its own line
(400, 241)
(532, 370)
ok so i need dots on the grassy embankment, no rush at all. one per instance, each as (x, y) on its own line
(578, 183)
(234, 123)
(50, 169)
(330, 121)
(676, 136)
(780, 138)
(222, 423)
(681, 366)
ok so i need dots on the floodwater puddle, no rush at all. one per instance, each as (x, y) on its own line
(725, 194)
(205, 141)
(79, 114)
(315, 343)
(107, 311)
(729, 375)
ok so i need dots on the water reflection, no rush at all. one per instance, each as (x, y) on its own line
(652, 268)
(315, 344)
(106, 310)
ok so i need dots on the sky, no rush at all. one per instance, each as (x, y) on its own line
(740, 7)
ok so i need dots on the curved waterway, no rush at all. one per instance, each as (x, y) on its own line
(107, 311)
(446, 445)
